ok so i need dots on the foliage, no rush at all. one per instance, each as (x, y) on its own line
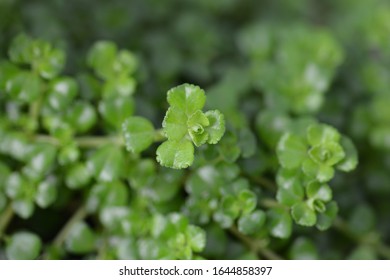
(280, 152)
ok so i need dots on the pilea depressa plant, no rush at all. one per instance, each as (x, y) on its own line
(194, 129)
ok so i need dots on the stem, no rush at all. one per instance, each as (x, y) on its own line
(83, 141)
(5, 219)
(268, 184)
(254, 245)
(80, 215)
(381, 248)
(159, 135)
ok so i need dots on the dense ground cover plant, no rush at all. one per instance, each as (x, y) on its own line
(194, 129)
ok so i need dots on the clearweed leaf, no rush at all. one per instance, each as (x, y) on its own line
(77, 176)
(248, 201)
(50, 64)
(290, 189)
(81, 239)
(125, 63)
(5, 172)
(325, 219)
(16, 185)
(68, 154)
(303, 249)
(40, 160)
(101, 58)
(216, 128)
(107, 195)
(318, 134)
(196, 237)
(247, 142)
(279, 223)
(322, 192)
(61, 93)
(175, 154)
(328, 153)
(196, 124)
(115, 110)
(228, 147)
(142, 174)
(7, 71)
(363, 252)
(107, 163)
(20, 50)
(303, 214)
(205, 182)
(24, 207)
(270, 126)
(23, 246)
(175, 124)
(252, 223)
(24, 86)
(121, 86)
(82, 116)
(46, 192)
(230, 206)
(323, 173)
(188, 98)
(291, 151)
(350, 161)
(362, 219)
(138, 133)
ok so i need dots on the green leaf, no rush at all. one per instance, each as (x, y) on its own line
(46, 192)
(107, 195)
(228, 147)
(68, 154)
(303, 249)
(350, 160)
(322, 192)
(7, 71)
(247, 142)
(328, 153)
(175, 124)
(196, 237)
(318, 134)
(40, 160)
(325, 219)
(188, 98)
(82, 116)
(115, 110)
(176, 154)
(50, 64)
(77, 176)
(303, 214)
(107, 163)
(23, 246)
(196, 124)
(279, 223)
(61, 93)
(230, 206)
(216, 128)
(23, 207)
(24, 86)
(121, 86)
(291, 151)
(138, 133)
(125, 63)
(20, 50)
(290, 190)
(248, 201)
(142, 174)
(252, 223)
(101, 58)
(80, 239)
(322, 173)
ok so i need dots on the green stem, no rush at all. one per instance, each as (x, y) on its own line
(80, 215)
(5, 219)
(254, 245)
(159, 135)
(83, 141)
(343, 227)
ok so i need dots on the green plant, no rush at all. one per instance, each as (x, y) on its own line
(108, 150)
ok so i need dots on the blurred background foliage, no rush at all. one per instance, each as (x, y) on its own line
(260, 63)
